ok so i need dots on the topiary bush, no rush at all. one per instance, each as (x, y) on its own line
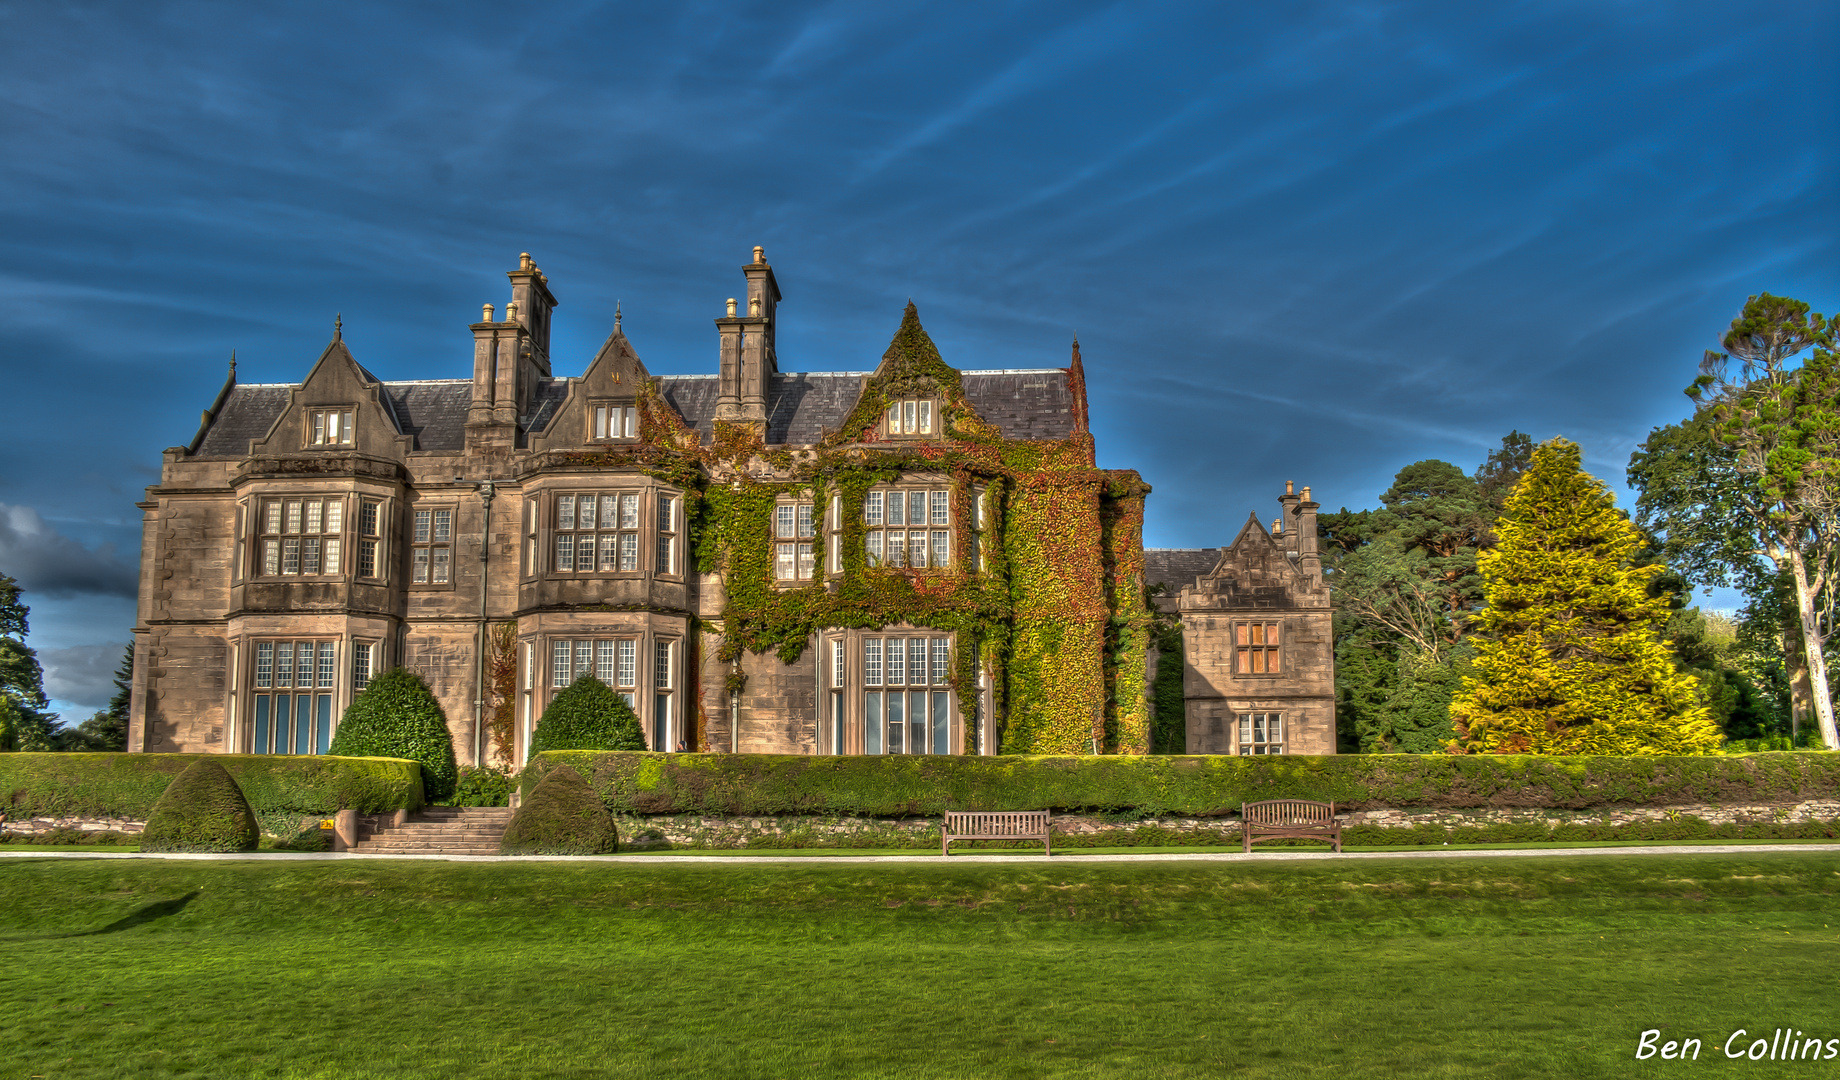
(562, 816)
(201, 810)
(397, 716)
(587, 716)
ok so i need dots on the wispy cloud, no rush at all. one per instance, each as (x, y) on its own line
(47, 563)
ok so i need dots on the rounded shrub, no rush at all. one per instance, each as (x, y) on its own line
(562, 816)
(397, 716)
(587, 716)
(201, 810)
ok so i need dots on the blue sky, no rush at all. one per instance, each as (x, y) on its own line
(1310, 242)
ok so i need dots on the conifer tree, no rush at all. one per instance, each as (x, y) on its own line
(1570, 658)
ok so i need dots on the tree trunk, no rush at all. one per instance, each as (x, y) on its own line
(1795, 668)
(1812, 651)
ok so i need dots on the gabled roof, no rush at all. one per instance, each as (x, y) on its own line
(1174, 568)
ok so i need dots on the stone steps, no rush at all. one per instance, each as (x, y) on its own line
(439, 830)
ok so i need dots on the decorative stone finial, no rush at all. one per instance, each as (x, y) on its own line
(616, 314)
(233, 363)
(338, 327)
(524, 262)
(511, 311)
(754, 305)
(760, 254)
(485, 313)
(731, 307)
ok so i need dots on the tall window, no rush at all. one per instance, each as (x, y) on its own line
(667, 534)
(834, 697)
(793, 531)
(300, 536)
(615, 420)
(907, 708)
(1256, 648)
(665, 724)
(613, 661)
(833, 536)
(370, 540)
(910, 417)
(363, 663)
(597, 533)
(1261, 733)
(908, 528)
(329, 427)
(431, 556)
(291, 710)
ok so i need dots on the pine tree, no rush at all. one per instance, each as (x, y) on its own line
(24, 723)
(1570, 658)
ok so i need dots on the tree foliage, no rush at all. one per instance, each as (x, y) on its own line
(398, 716)
(588, 715)
(1571, 660)
(1781, 429)
(24, 723)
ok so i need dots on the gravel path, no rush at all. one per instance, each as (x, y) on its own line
(982, 857)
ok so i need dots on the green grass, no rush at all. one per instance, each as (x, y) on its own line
(1532, 967)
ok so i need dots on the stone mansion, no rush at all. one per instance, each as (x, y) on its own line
(911, 559)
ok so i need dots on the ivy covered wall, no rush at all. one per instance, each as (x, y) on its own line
(1054, 607)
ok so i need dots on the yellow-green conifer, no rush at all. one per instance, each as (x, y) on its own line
(1570, 659)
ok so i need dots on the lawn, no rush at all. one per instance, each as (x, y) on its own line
(1541, 966)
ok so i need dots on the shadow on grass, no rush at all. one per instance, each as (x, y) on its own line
(159, 909)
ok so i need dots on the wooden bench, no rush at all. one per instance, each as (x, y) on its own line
(980, 825)
(1289, 818)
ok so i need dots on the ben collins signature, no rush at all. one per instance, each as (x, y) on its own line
(1784, 1044)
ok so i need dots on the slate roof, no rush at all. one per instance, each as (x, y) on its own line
(801, 407)
(434, 412)
(247, 414)
(1174, 568)
(1023, 404)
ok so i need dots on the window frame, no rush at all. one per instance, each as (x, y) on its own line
(792, 541)
(315, 431)
(290, 542)
(857, 697)
(432, 544)
(603, 409)
(880, 534)
(1262, 659)
(310, 719)
(1252, 733)
(620, 499)
(913, 418)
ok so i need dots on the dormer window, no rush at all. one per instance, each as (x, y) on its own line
(914, 417)
(615, 420)
(329, 427)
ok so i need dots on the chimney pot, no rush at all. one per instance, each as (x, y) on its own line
(754, 305)
(1288, 488)
(486, 313)
(511, 311)
(731, 307)
(760, 254)
(1277, 526)
(1306, 493)
(524, 262)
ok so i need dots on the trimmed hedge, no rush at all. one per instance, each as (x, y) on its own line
(560, 817)
(201, 810)
(398, 716)
(918, 785)
(587, 715)
(281, 789)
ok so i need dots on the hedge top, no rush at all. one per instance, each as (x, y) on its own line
(127, 785)
(913, 786)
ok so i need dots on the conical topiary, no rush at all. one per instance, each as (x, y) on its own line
(1570, 658)
(562, 816)
(201, 810)
(587, 716)
(397, 716)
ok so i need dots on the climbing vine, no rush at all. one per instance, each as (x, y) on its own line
(1052, 607)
